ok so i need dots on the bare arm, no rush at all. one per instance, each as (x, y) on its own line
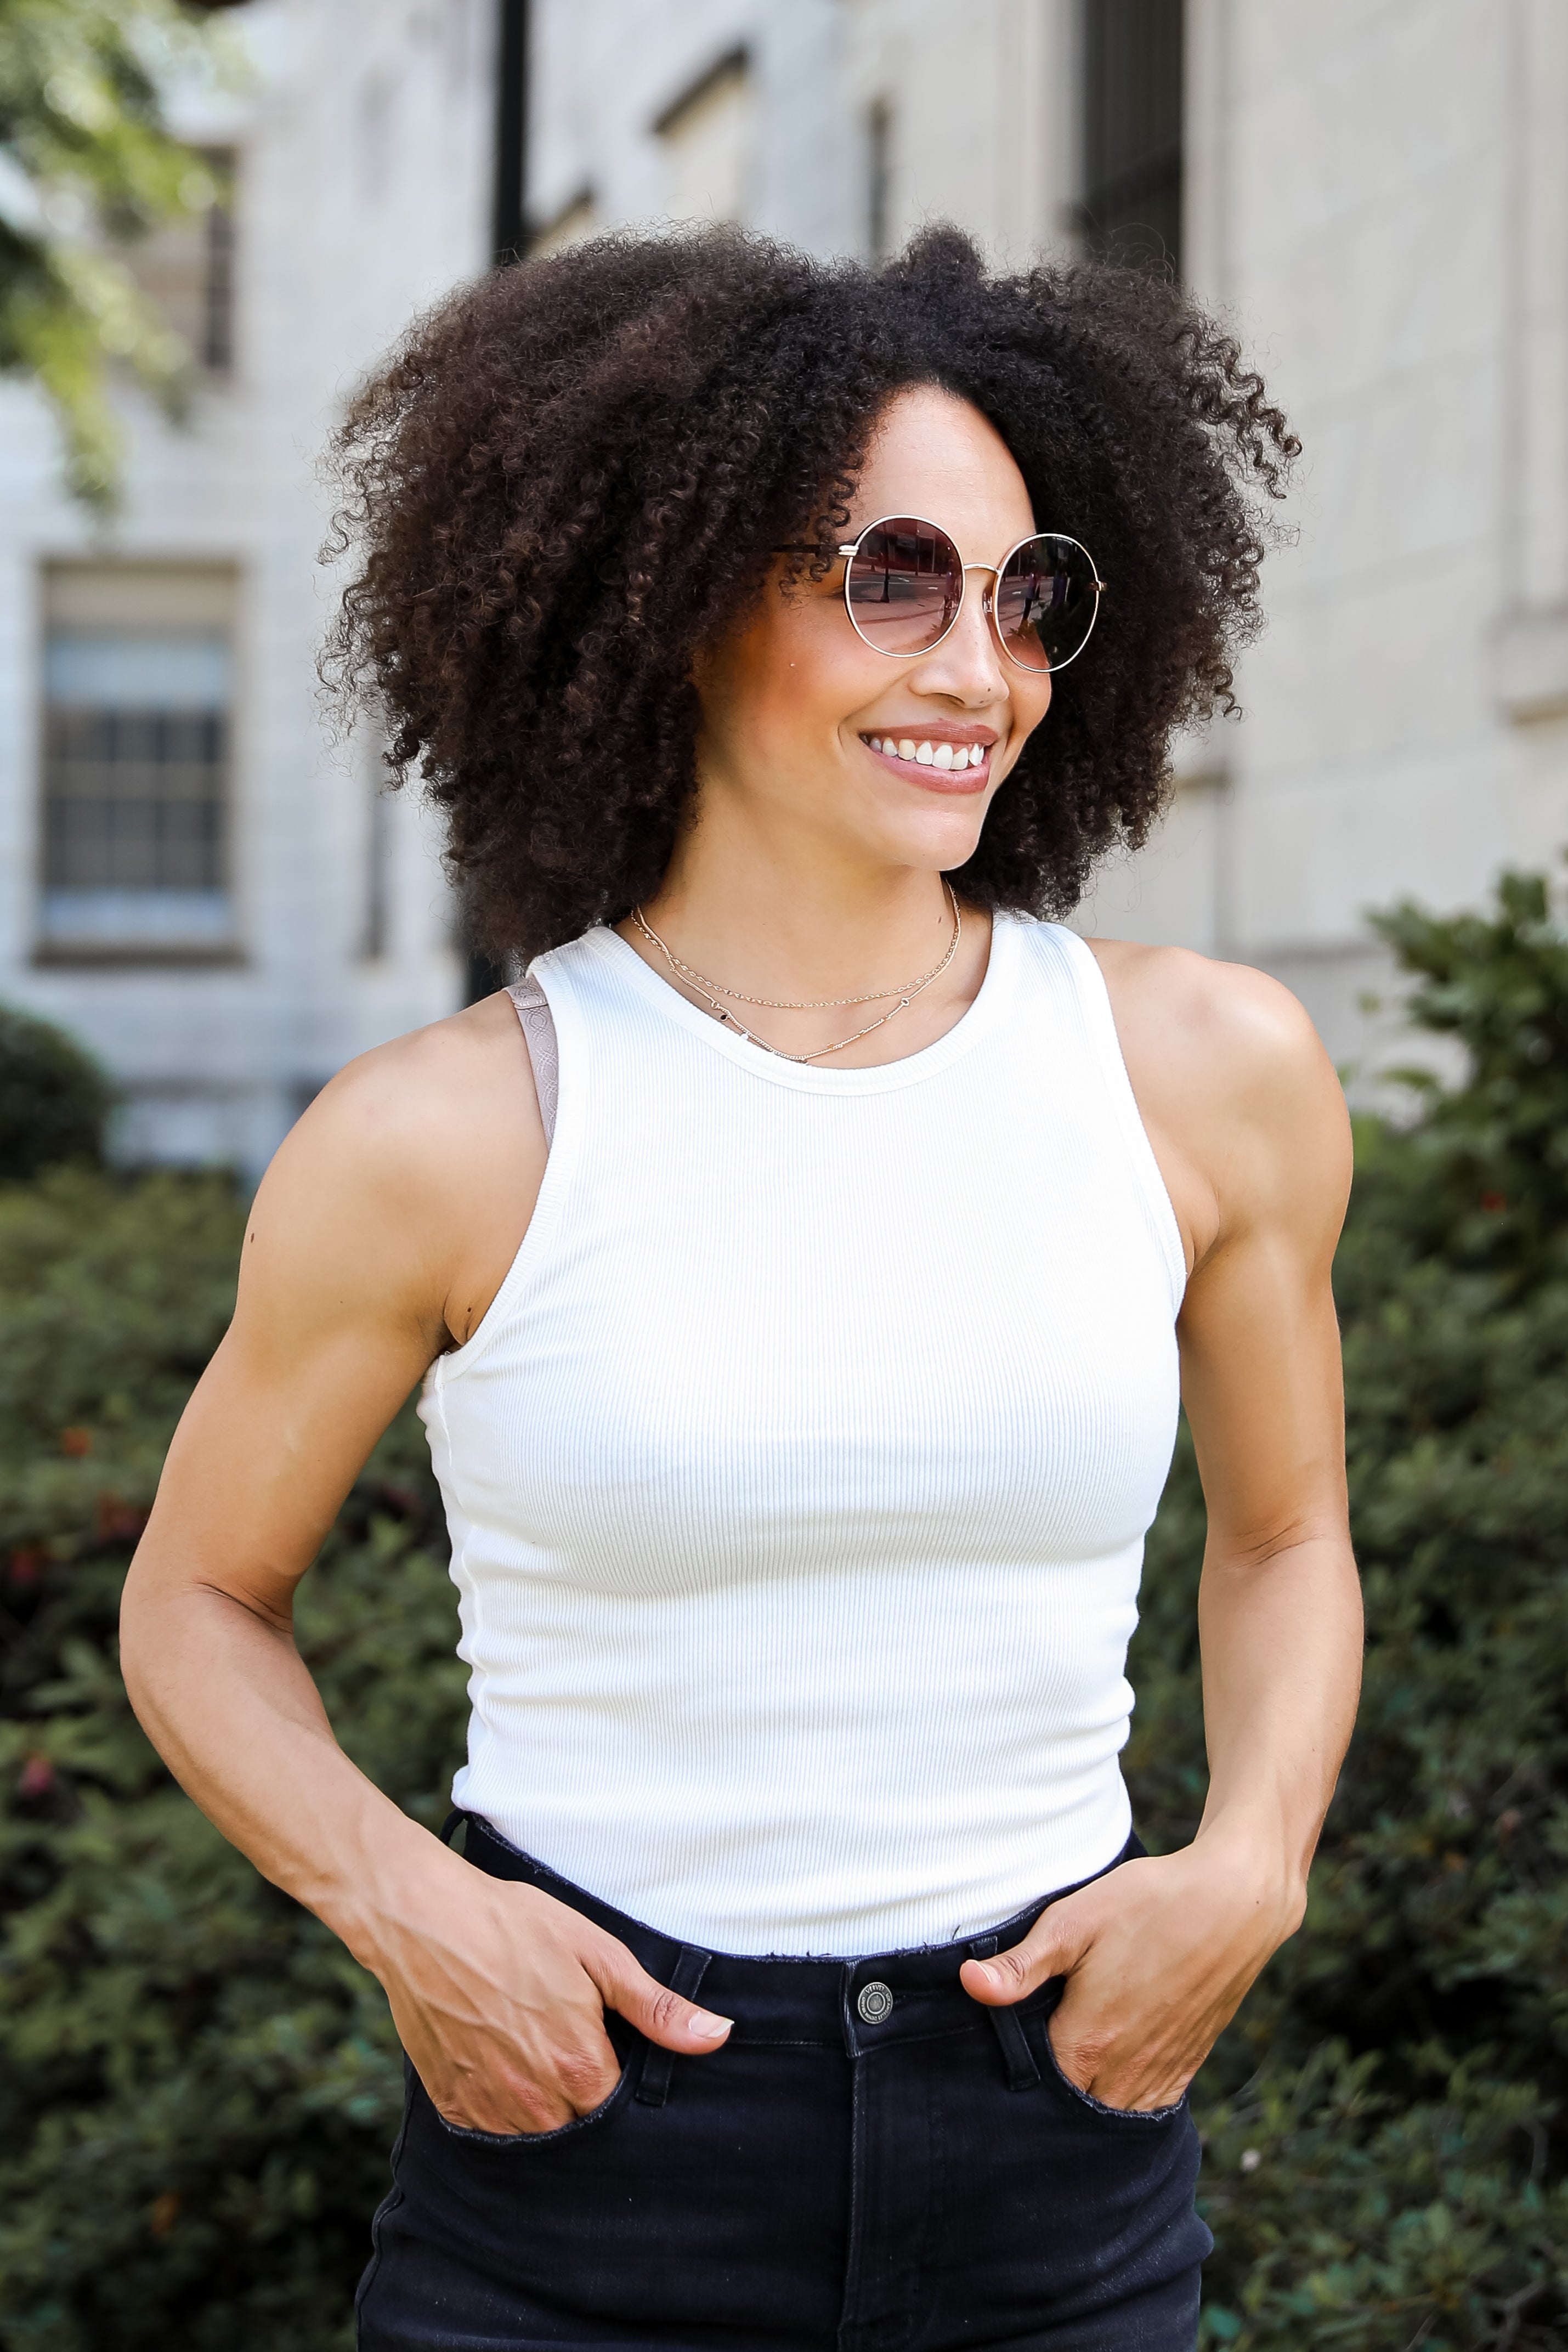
(1248, 1122)
(378, 1237)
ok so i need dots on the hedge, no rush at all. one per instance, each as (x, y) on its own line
(198, 2087)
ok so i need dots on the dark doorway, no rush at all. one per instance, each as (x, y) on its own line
(1133, 130)
(483, 974)
(508, 202)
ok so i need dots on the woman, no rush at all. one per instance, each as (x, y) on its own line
(780, 642)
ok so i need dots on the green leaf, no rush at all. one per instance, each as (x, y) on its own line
(90, 165)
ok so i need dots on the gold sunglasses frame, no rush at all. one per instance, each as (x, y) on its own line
(850, 549)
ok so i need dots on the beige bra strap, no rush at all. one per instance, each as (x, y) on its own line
(539, 1035)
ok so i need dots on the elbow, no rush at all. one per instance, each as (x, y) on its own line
(138, 1645)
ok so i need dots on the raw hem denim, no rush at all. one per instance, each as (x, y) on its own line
(873, 2162)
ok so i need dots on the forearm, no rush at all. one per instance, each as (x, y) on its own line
(1281, 1642)
(226, 1698)
(498, 1992)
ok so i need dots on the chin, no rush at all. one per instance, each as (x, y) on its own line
(941, 845)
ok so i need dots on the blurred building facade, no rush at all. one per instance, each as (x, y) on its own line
(192, 878)
(1375, 198)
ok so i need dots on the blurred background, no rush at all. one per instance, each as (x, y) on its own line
(1374, 196)
(213, 220)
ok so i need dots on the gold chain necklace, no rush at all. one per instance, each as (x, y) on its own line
(712, 991)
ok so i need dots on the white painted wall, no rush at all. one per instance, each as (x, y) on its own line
(1377, 200)
(1381, 208)
(364, 138)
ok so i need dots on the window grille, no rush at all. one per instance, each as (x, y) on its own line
(1133, 130)
(136, 732)
(187, 266)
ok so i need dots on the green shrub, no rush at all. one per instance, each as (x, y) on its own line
(1384, 2164)
(54, 1099)
(197, 2087)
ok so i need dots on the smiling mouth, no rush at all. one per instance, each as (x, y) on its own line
(935, 761)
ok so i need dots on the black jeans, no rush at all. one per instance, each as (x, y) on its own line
(873, 2162)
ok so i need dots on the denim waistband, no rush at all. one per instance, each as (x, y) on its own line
(860, 2004)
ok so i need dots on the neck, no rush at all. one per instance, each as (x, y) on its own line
(811, 949)
(765, 903)
(781, 926)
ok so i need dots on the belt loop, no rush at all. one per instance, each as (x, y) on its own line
(450, 1825)
(1023, 2074)
(658, 2064)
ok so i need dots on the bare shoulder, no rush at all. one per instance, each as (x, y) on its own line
(1226, 1062)
(416, 1109)
(412, 1173)
(1225, 1023)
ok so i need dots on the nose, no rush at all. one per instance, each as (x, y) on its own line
(967, 664)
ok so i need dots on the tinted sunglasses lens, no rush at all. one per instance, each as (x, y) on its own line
(904, 586)
(1045, 602)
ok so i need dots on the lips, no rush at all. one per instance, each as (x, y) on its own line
(938, 762)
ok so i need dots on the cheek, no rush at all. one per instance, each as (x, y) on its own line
(1030, 701)
(801, 675)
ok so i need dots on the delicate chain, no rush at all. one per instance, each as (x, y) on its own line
(805, 1004)
(710, 992)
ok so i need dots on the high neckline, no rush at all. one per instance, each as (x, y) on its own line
(810, 1077)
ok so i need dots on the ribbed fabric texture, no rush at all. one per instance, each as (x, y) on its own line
(798, 1476)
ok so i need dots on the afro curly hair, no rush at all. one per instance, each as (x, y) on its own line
(575, 473)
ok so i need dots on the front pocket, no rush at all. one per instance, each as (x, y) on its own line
(1132, 2117)
(503, 2140)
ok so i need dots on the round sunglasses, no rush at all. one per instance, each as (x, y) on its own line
(903, 590)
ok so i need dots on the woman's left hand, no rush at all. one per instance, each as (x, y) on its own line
(1158, 1954)
(1244, 1112)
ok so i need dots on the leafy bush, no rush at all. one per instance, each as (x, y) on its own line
(1384, 2166)
(54, 1099)
(197, 2087)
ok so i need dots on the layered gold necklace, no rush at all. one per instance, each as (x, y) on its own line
(713, 992)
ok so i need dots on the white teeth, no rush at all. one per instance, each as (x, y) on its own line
(930, 755)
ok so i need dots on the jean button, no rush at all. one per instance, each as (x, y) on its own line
(875, 2002)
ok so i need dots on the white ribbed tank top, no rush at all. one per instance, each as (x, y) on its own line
(799, 1474)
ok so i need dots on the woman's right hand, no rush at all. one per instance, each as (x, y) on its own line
(499, 1993)
(382, 1231)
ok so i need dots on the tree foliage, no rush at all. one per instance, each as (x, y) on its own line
(87, 163)
(197, 2087)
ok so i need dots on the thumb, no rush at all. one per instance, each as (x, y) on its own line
(1053, 1947)
(665, 2017)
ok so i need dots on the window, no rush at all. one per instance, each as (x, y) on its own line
(707, 137)
(375, 938)
(1132, 129)
(575, 220)
(879, 179)
(187, 266)
(138, 703)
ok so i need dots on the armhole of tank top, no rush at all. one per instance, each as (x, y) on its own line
(1093, 995)
(542, 1020)
(532, 1007)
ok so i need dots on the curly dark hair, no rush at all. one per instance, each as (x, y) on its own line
(574, 473)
